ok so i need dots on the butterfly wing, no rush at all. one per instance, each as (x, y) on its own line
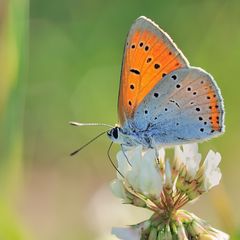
(185, 106)
(149, 55)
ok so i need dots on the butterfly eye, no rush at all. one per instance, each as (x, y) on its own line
(115, 133)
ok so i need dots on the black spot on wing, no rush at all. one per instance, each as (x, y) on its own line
(175, 103)
(135, 71)
(149, 60)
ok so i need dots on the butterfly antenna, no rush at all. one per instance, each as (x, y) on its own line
(77, 124)
(110, 159)
(86, 144)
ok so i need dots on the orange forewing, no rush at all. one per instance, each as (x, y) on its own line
(149, 55)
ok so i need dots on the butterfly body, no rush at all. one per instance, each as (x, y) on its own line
(162, 99)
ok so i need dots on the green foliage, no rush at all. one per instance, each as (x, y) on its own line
(13, 37)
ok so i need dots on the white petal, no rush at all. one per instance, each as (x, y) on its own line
(168, 173)
(134, 153)
(133, 176)
(213, 179)
(118, 189)
(179, 155)
(123, 165)
(212, 173)
(127, 233)
(150, 177)
(190, 149)
(220, 235)
(124, 158)
(161, 154)
(212, 161)
(217, 235)
(192, 158)
(152, 174)
(144, 176)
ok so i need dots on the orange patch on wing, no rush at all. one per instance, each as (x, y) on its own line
(214, 107)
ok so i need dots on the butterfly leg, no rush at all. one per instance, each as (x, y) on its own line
(157, 156)
(122, 147)
(159, 162)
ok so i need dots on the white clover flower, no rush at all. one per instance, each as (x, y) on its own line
(163, 186)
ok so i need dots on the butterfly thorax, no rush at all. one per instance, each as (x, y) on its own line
(130, 137)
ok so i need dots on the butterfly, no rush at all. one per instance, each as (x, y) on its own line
(163, 101)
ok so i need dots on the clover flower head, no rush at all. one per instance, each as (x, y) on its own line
(163, 186)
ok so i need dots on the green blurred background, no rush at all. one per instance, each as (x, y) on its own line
(60, 61)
